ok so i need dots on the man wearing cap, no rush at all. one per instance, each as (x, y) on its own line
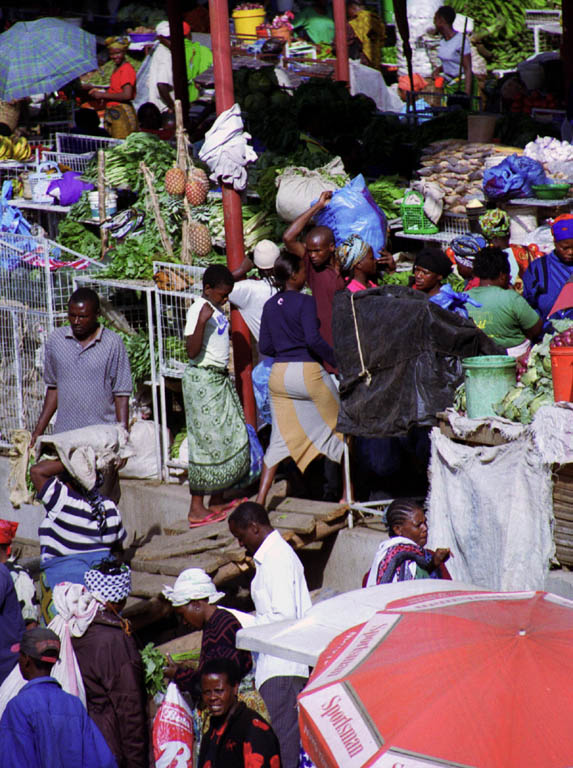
(44, 727)
(11, 621)
(112, 669)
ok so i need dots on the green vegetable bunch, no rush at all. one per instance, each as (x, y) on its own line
(502, 28)
(386, 191)
(153, 663)
(122, 163)
(176, 446)
(78, 237)
(536, 385)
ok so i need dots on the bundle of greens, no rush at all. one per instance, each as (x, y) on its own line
(386, 191)
(502, 28)
(153, 663)
(122, 163)
(77, 237)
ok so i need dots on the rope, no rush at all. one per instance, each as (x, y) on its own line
(364, 373)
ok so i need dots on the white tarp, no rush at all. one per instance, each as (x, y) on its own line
(493, 506)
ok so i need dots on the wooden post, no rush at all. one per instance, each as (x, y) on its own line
(148, 176)
(180, 85)
(183, 162)
(103, 233)
(342, 68)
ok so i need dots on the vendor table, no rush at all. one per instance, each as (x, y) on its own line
(298, 69)
(566, 202)
(562, 486)
(45, 214)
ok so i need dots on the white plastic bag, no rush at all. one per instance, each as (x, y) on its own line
(143, 463)
(173, 732)
(299, 187)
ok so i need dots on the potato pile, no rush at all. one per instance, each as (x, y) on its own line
(457, 167)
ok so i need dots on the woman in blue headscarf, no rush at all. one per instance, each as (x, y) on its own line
(546, 276)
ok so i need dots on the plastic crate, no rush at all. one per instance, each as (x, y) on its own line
(455, 224)
(414, 220)
(73, 162)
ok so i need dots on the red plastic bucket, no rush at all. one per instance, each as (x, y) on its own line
(562, 372)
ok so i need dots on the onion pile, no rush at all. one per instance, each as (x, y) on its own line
(563, 339)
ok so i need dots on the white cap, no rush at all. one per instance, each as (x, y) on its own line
(192, 584)
(265, 254)
(162, 29)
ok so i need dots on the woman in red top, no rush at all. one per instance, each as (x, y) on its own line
(120, 118)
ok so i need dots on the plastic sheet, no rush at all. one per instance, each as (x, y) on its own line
(412, 352)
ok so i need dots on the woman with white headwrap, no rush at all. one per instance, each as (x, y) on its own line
(193, 597)
(112, 669)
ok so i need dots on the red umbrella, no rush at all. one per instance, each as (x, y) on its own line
(480, 679)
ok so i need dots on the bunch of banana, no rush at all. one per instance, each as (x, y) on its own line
(21, 150)
(5, 148)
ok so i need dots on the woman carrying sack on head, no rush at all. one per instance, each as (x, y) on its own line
(120, 118)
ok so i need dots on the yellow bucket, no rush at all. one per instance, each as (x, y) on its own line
(246, 22)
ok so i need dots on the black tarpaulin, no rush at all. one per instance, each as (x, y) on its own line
(411, 359)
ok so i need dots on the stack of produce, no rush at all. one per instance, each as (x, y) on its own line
(524, 103)
(535, 387)
(457, 168)
(555, 156)
(502, 28)
(15, 148)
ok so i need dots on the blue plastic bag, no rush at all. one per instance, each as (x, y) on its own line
(352, 211)
(447, 298)
(260, 376)
(257, 454)
(513, 177)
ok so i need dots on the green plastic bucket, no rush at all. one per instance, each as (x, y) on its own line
(488, 380)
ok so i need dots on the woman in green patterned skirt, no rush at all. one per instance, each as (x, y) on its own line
(216, 431)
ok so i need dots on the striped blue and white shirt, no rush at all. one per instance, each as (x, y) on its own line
(71, 526)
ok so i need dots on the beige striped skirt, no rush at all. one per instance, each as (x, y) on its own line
(304, 407)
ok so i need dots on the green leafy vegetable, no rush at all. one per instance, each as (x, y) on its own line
(153, 663)
(176, 446)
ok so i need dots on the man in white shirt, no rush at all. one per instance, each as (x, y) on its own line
(279, 592)
(160, 77)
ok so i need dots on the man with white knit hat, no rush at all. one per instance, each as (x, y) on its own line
(249, 297)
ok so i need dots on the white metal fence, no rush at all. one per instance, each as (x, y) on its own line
(36, 281)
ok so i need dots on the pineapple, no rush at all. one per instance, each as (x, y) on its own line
(198, 174)
(199, 239)
(195, 191)
(175, 181)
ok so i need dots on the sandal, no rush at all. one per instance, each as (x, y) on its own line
(214, 517)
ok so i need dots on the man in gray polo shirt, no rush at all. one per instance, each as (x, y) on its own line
(86, 370)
